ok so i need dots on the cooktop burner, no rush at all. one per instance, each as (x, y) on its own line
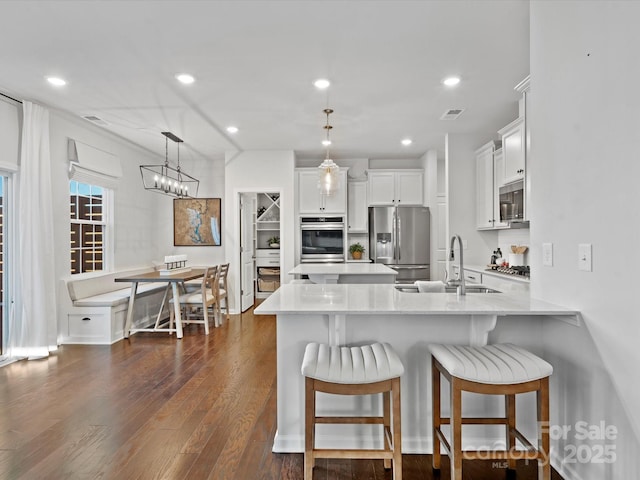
(522, 271)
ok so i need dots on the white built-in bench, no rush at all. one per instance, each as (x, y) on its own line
(95, 308)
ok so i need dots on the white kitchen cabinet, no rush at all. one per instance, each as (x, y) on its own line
(514, 150)
(310, 200)
(498, 180)
(357, 211)
(489, 178)
(485, 189)
(524, 87)
(472, 277)
(267, 271)
(395, 187)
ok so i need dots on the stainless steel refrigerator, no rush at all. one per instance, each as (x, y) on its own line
(399, 238)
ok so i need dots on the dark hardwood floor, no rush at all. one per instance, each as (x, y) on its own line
(156, 407)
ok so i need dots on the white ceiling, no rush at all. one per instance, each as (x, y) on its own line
(255, 62)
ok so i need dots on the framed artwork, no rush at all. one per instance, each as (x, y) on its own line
(197, 222)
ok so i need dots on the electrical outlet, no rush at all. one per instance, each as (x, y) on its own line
(584, 257)
(547, 254)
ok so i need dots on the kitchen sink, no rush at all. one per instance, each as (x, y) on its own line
(411, 288)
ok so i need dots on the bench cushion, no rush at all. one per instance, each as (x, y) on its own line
(491, 364)
(98, 285)
(365, 364)
(117, 297)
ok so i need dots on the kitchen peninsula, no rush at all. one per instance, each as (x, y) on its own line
(346, 272)
(341, 314)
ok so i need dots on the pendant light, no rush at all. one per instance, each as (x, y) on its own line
(328, 171)
(168, 180)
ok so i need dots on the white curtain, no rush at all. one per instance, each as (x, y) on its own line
(35, 332)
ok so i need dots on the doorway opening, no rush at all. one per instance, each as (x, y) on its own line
(260, 257)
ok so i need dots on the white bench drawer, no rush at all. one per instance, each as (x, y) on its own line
(89, 326)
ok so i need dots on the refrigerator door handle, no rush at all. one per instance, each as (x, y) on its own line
(399, 237)
(393, 234)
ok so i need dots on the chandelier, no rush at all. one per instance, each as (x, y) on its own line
(328, 177)
(166, 179)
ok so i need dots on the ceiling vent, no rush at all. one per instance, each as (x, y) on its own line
(452, 114)
(96, 120)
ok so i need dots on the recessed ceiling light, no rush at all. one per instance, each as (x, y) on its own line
(451, 81)
(406, 142)
(232, 129)
(57, 81)
(185, 78)
(322, 83)
(326, 143)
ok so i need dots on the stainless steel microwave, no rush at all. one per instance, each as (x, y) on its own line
(512, 202)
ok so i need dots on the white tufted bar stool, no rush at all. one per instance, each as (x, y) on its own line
(361, 370)
(501, 369)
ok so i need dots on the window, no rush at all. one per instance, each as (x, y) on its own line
(88, 226)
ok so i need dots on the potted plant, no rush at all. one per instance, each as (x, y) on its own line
(274, 242)
(356, 250)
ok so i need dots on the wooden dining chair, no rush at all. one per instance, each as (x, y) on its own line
(196, 304)
(221, 294)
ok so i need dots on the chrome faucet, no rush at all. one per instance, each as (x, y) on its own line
(460, 283)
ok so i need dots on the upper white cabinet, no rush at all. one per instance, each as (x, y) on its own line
(489, 178)
(514, 150)
(311, 201)
(485, 212)
(395, 187)
(498, 180)
(357, 210)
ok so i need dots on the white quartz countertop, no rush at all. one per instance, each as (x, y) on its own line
(342, 269)
(385, 299)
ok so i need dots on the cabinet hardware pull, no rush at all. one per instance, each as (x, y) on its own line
(85, 319)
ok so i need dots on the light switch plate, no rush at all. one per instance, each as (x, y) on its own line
(584, 257)
(547, 254)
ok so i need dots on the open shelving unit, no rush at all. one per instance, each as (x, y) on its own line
(267, 226)
(267, 218)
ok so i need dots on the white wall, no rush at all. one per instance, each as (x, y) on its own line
(585, 114)
(257, 171)
(211, 175)
(461, 195)
(137, 231)
(139, 215)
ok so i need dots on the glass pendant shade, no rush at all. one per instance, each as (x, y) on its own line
(328, 171)
(328, 177)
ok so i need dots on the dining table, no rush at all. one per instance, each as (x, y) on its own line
(173, 280)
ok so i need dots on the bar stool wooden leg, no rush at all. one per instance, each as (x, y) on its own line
(456, 430)
(510, 414)
(435, 414)
(309, 425)
(397, 434)
(386, 422)
(544, 464)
